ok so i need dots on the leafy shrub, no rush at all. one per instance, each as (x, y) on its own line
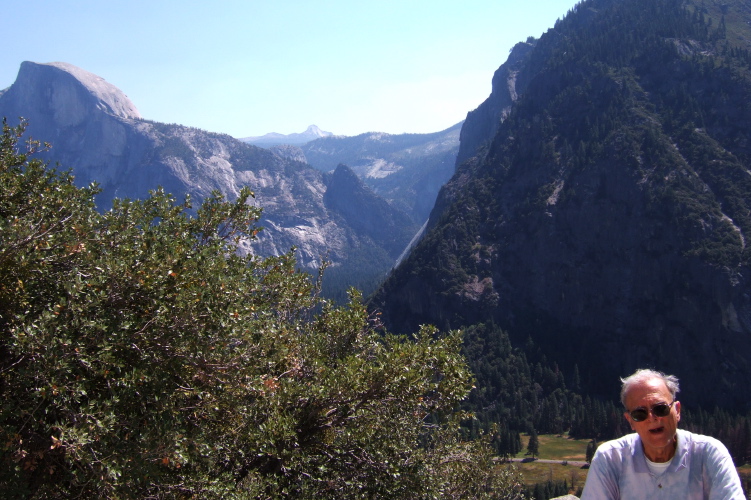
(141, 357)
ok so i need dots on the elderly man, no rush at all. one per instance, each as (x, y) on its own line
(659, 460)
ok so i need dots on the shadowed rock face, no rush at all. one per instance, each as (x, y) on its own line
(97, 131)
(482, 123)
(366, 212)
(408, 170)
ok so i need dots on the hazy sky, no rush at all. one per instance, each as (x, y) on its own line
(250, 67)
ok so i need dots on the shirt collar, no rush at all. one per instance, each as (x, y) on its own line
(680, 460)
(681, 451)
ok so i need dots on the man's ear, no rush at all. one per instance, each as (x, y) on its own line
(678, 410)
(628, 419)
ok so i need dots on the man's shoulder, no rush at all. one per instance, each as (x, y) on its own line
(626, 442)
(712, 457)
(618, 450)
(700, 441)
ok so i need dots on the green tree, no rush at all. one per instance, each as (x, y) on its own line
(533, 446)
(591, 449)
(142, 357)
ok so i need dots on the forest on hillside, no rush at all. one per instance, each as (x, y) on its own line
(620, 171)
(519, 391)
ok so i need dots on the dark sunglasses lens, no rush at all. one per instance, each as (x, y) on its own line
(658, 410)
(639, 414)
(661, 410)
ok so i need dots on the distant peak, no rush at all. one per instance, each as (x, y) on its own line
(311, 133)
(314, 130)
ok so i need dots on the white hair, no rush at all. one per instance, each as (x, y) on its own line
(643, 375)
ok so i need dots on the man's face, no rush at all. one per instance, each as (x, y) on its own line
(657, 433)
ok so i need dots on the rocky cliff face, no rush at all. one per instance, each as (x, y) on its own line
(509, 81)
(69, 93)
(408, 170)
(95, 130)
(90, 122)
(607, 215)
(366, 212)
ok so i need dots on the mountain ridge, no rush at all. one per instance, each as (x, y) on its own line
(408, 170)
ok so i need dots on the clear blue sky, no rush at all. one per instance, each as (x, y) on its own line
(250, 67)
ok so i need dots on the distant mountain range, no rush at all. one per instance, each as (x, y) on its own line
(405, 169)
(98, 132)
(274, 139)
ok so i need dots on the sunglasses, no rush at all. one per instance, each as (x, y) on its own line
(658, 410)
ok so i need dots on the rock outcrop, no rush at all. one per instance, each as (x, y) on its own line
(91, 124)
(509, 81)
(366, 212)
(408, 170)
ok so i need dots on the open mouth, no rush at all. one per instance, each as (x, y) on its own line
(657, 430)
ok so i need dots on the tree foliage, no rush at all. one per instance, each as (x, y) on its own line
(142, 357)
(533, 446)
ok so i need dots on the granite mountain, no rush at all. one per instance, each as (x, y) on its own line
(98, 132)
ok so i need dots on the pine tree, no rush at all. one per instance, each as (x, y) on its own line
(533, 446)
(591, 448)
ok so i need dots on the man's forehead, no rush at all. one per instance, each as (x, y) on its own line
(652, 386)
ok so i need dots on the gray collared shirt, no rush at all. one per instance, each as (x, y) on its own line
(701, 469)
